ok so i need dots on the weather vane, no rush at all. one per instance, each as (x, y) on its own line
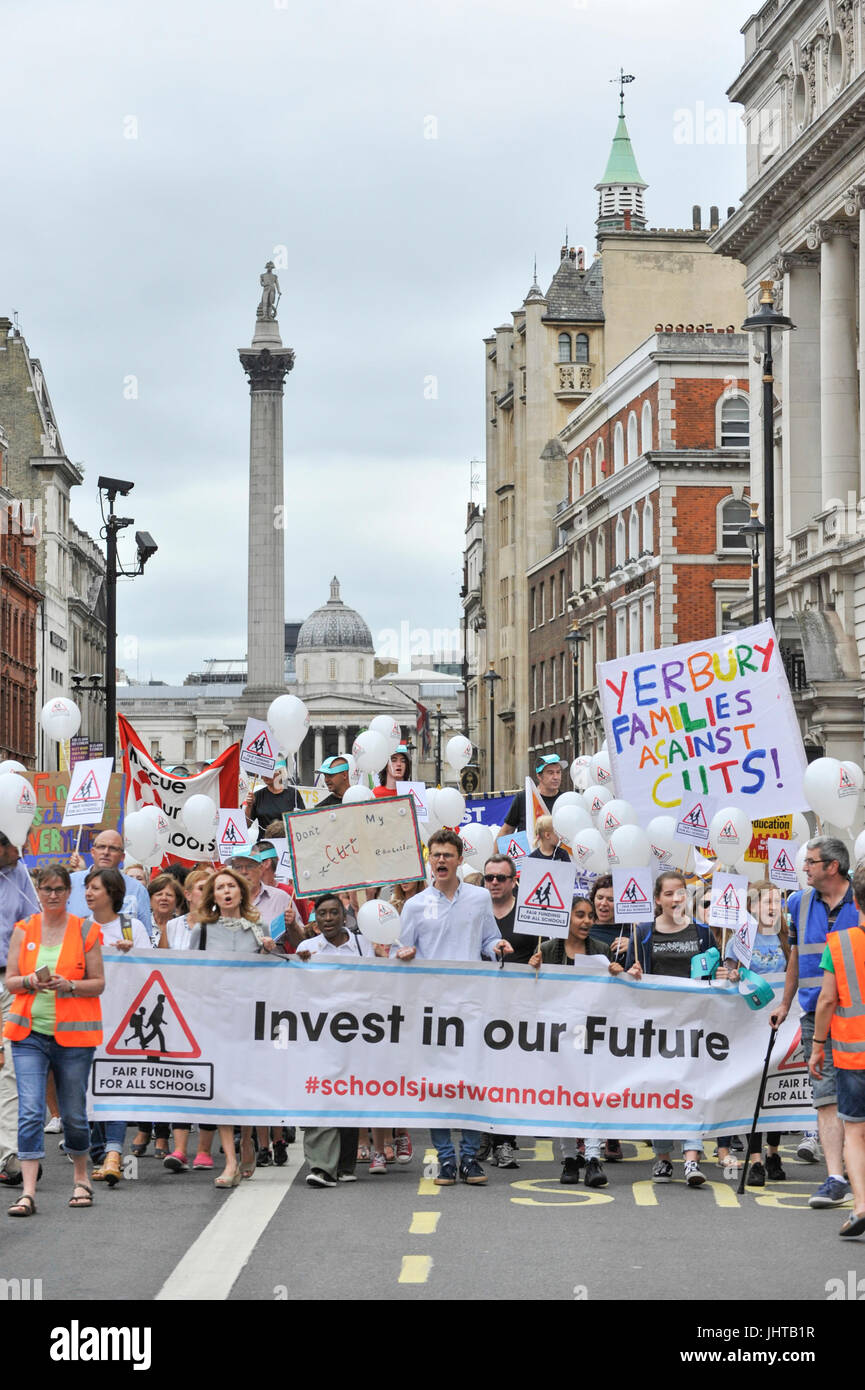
(622, 78)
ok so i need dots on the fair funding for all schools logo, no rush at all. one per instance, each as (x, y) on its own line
(153, 1051)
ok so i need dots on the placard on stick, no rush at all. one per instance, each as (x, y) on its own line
(693, 822)
(233, 834)
(544, 897)
(729, 900)
(782, 863)
(258, 748)
(633, 895)
(367, 844)
(88, 787)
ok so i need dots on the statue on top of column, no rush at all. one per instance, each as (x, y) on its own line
(270, 294)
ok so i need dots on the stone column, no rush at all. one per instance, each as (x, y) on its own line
(319, 747)
(801, 494)
(341, 735)
(266, 364)
(839, 387)
(854, 206)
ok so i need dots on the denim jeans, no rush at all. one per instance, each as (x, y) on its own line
(106, 1137)
(469, 1145)
(71, 1067)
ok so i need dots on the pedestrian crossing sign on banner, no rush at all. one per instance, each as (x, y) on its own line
(544, 896)
(153, 1025)
(258, 749)
(232, 835)
(633, 895)
(782, 863)
(88, 788)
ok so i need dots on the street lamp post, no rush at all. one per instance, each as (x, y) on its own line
(438, 716)
(146, 546)
(765, 319)
(573, 639)
(491, 676)
(752, 531)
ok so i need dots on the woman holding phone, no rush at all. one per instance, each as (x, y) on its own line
(56, 975)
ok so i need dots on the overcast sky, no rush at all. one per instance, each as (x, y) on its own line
(263, 124)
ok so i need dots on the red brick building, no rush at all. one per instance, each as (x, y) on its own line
(649, 534)
(19, 603)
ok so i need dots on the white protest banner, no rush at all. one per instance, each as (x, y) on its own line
(782, 863)
(88, 787)
(710, 718)
(633, 895)
(729, 900)
(365, 845)
(515, 846)
(692, 822)
(233, 835)
(187, 1037)
(418, 791)
(258, 748)
(544, 897)
(148, 784)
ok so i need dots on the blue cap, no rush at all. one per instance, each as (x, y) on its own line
(551, 760)
(331, 766)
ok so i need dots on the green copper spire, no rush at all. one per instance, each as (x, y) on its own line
(622, 165)
(620, 201)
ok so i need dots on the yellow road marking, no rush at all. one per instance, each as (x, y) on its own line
(644, 1193)
(551, 1187)
(415, 1269)
(423, 1223)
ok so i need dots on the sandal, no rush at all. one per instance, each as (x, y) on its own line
(25, 1206)
(160, 1151)
(233, 1179)
(140, 1149)
(363, 1154)
(247, 1164)
(86, 1200)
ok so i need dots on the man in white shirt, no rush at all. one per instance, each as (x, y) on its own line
(451, 920)
(107, 853)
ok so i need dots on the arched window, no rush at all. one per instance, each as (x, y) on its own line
(564, 347)
(587, 471)
(581, 347)
(633, 442)
(734, 422)
(634, 535)
(618, 447)
(620, 541)
(646, 427)
(732, 514)
(575, 480)
(587, 564)
(600, 557)
(599, 460)
(543, 735)
(648, 526)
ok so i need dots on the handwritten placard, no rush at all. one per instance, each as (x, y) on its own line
(367, 844)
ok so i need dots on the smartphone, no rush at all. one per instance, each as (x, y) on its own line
(43, 974)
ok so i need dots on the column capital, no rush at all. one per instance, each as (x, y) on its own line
(786, 261)
(820, 232)
(854, 199)
(266, 370)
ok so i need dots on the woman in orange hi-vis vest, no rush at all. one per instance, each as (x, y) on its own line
(55, 973)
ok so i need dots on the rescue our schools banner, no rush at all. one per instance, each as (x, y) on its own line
(713, 718)
(147, 784)
(189, 1037)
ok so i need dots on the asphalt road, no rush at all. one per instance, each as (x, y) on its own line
(398, 1237)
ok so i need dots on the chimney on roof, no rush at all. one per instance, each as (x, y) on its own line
(627, 219)
(572, 255)
(581, 259)
(713, 219)
(730, 211)
(563, 253)
(696, 217)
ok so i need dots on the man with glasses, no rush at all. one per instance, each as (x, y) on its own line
(451, 920)
(548, 771)
(18, 900)
(827, 905)
(107, 853)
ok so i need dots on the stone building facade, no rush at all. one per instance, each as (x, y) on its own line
(19, 610)
(800, 224)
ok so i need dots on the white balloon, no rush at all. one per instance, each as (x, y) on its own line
(10, 765)
(800, 866)
(753, 872)
(458, 752)
(140, 836)
(595, 799)
(449, 806)
(580, 775)
(478, 845)
(569, 820)
(730, 834)
(162, 823)
(614, 814)
(370, 751)
(200, 815)
(589, 851)
(600, 770)
(357, 793)
(17, 807)
(630, 844)
(661, 831)
(859, 848)
(60, 718)
(855, 773)
(289, 718)
(801, 829)
(389, 729)
(379, 922)
(831, 792)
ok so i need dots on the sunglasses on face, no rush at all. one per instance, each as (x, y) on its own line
(497, 878)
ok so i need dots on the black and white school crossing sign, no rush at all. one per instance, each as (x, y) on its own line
(88, 788)
(152, 1051)
(633, 895)
(258, 748)
(544, 896)
(782, 863)
(694, 818)
(232, 835)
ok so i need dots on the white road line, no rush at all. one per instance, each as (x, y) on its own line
(214, 1262)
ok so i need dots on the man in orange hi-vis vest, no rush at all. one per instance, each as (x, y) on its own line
(841, 1008)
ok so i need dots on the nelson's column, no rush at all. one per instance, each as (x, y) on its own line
(266, 363)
